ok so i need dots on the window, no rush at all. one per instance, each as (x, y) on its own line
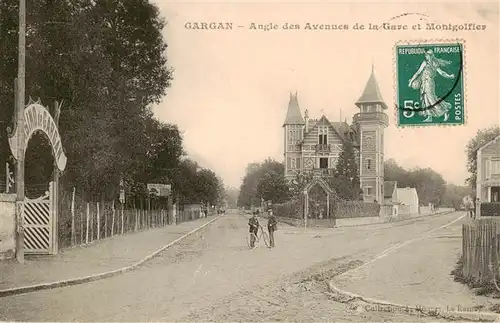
(297, 163)
(368, 163)
(294, 136)
(294, 163)
(323, 163)
(487, 168)
(368, 190)
(495, 167)
(323, 135)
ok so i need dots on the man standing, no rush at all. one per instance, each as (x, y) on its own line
(476, 206)
(271, 227)
(254, 228)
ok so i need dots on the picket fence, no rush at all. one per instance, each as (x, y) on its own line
(82, 222)
(480, 250)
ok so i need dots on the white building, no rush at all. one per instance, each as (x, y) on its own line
(488, 171)
(408, 200)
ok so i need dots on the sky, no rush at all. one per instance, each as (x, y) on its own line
(231, 88)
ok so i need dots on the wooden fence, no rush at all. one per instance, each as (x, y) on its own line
(83, 222)
(480, 250)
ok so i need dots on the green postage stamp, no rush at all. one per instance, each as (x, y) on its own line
(430, 83)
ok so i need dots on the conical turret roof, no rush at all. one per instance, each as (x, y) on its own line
(293, 115)
(371, 94)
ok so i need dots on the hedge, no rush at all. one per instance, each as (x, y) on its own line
(355, 209)
(339, 210)
(490, 209)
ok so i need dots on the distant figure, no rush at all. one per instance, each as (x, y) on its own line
(253, 223)
(469, 206)
(476, 205)
(271, 227)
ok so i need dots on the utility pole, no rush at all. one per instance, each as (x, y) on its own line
(20, 98)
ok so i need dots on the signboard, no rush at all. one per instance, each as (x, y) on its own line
(38, 118)
(159, 189)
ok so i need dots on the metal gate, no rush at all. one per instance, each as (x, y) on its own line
(38, 222)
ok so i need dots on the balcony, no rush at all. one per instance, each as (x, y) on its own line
(323, 148)
(322, 172)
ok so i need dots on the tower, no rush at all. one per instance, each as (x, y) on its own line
(293, 134)
(371, 122)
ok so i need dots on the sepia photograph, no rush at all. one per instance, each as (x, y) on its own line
(249, 161)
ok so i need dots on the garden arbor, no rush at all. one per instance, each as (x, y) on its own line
(37, 222)
(325, 187)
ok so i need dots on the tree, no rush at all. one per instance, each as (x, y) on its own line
(429, 184)
(482, 137)
(255, 172)
(101, 58)
(273, 186)
(394, 172)
(346, 179)
(454, 195)
(232, 196)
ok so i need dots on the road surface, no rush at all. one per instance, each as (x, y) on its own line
(212, 275)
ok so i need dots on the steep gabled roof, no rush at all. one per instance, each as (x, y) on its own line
(313, 124)
(489, 143)
(341, 128)
(293, 115)
(371, 94)
(389, 187)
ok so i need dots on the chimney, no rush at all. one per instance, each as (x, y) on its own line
(306, 117)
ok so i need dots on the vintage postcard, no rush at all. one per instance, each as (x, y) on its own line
(262, 161)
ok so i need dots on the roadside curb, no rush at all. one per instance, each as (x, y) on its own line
(367, 224)
(387, 306)
(95, 277)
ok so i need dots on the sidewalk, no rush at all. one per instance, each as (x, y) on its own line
(418, 274)
(102, 256)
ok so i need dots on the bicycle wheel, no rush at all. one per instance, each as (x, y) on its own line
(265, 237)
(248, 237)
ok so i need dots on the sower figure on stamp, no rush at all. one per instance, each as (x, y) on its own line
(423, 79)
(271, 227)
(253, 223)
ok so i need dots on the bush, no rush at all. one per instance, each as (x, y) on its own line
(490, 209)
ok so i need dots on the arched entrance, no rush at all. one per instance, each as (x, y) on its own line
(319, 207)
(38, 222)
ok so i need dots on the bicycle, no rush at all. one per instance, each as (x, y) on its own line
(260, 234)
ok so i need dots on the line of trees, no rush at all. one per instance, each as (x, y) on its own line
(430, 185)
(105, 61)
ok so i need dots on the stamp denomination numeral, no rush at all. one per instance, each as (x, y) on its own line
(409, 107)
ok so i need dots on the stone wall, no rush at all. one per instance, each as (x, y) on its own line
(7, 226)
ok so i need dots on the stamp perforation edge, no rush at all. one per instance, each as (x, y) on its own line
(464, 80)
